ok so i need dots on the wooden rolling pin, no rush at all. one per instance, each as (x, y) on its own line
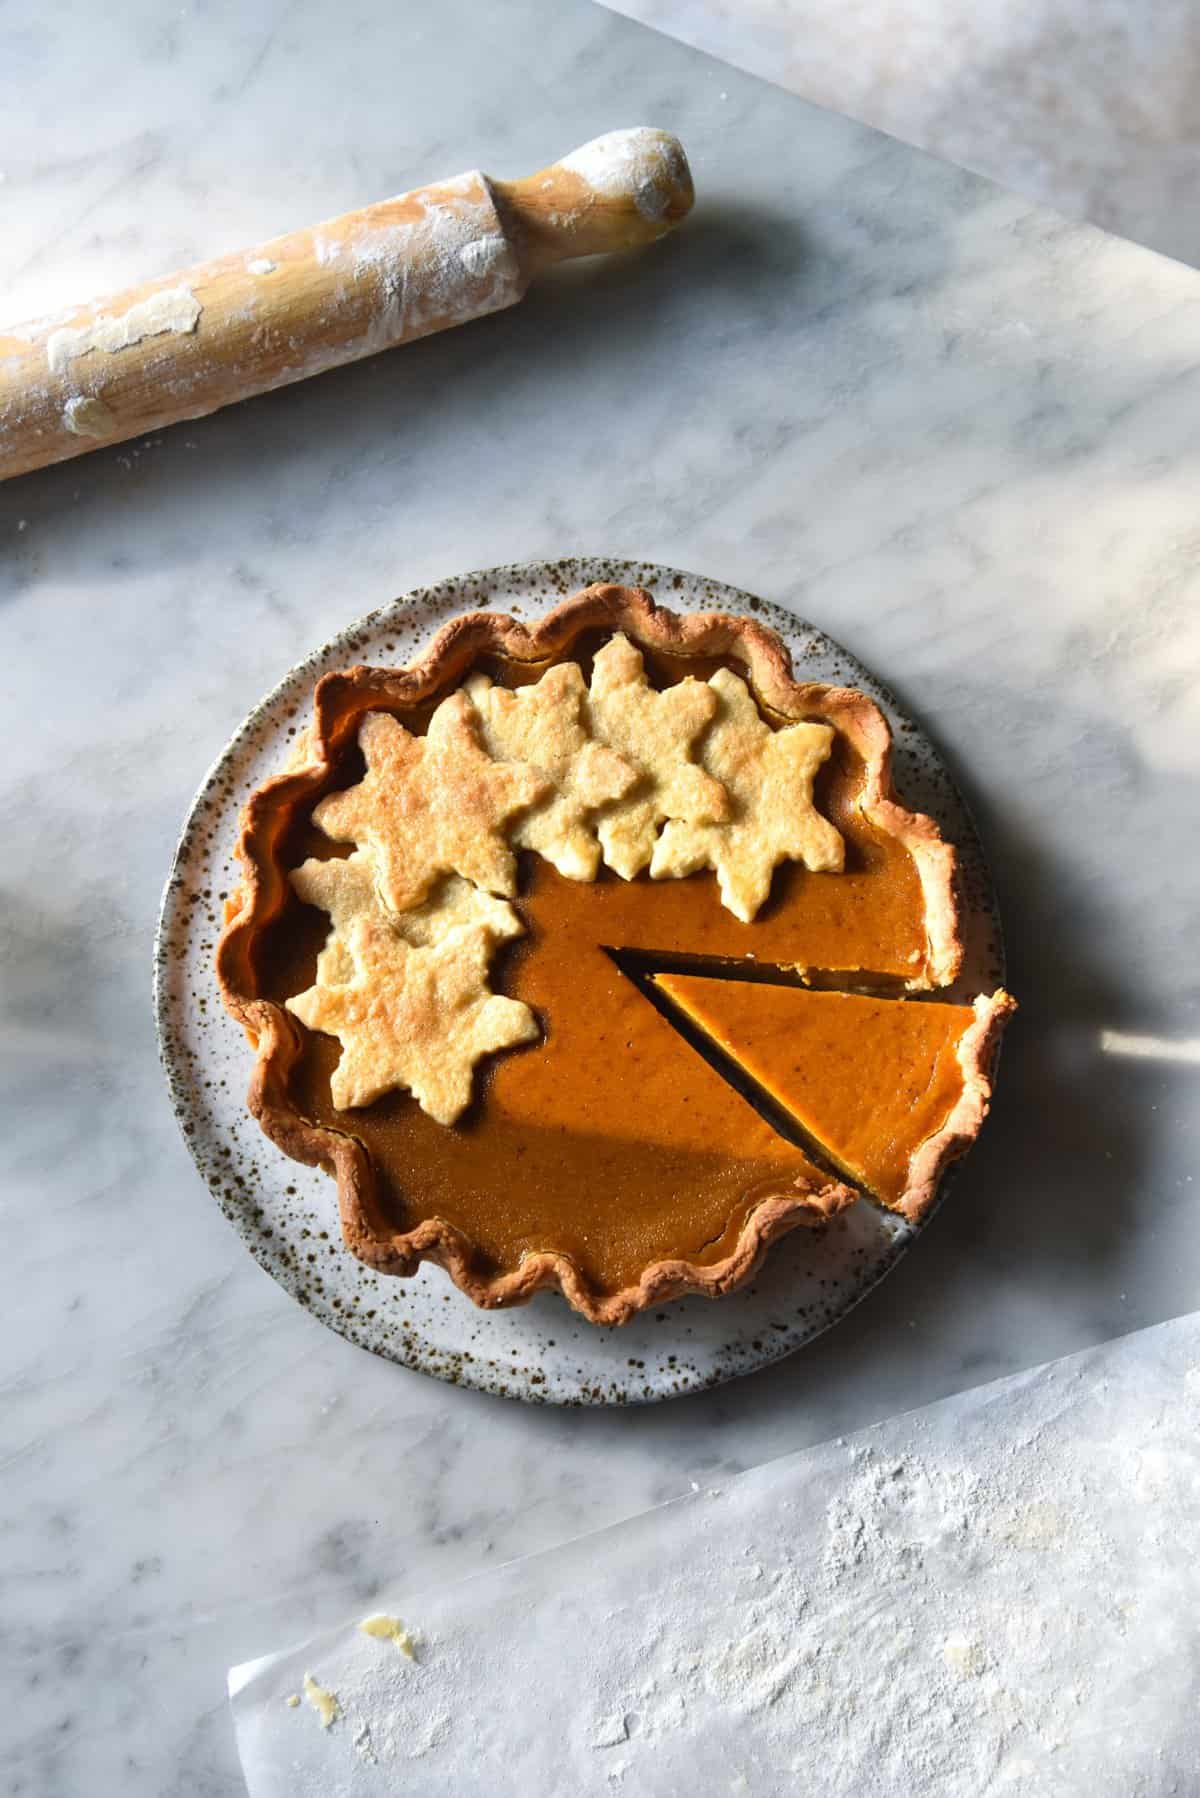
(192, 342)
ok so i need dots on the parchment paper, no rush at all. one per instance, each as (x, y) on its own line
(999, 1594)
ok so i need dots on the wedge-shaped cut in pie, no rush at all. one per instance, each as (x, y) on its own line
(889, 1090)
(421, 947)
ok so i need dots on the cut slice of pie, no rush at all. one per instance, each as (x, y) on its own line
(888, 1090)
(419, 945)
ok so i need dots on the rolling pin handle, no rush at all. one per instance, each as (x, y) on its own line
(622, 190)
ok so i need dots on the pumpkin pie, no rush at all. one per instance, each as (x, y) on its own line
(452, 903)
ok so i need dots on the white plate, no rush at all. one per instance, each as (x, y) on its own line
(287, 1214)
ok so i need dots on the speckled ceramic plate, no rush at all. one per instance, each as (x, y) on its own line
(287, 1214)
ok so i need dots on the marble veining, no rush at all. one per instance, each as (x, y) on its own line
(956, 432)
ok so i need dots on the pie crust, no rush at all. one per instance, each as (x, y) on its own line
(270, 818)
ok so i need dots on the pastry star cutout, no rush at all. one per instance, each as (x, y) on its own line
(432, 805)
(415, 1016)
(543, 726)
(346, 890)
(656, 732)
(769, 775)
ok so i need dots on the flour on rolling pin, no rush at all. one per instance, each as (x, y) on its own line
(447, 263)
(244, 324)
(88, 417)
(642, 162)
(171, 309)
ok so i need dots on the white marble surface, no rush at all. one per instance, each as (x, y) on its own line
(958, 433)
(1086, 105)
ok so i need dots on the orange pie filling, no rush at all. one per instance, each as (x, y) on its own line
(867, 1080)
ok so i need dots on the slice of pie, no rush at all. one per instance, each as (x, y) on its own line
(889, 1090)
(433, 891)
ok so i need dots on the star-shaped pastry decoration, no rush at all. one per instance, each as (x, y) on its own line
(413, 1015)
(769, 775)
(657, 733)
(544, 727)
(432, 805)
(346, 890)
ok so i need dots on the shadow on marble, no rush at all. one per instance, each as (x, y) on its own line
(1047, 1203)
(1052, 1196)
(325, 460)
(486, 383)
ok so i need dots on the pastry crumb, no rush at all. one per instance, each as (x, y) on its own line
(389, 1629)
(324, 1703)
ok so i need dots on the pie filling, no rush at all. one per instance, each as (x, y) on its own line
(867, 1080)
(608, 1140)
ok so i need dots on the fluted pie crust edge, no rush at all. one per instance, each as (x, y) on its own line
(341, 700)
